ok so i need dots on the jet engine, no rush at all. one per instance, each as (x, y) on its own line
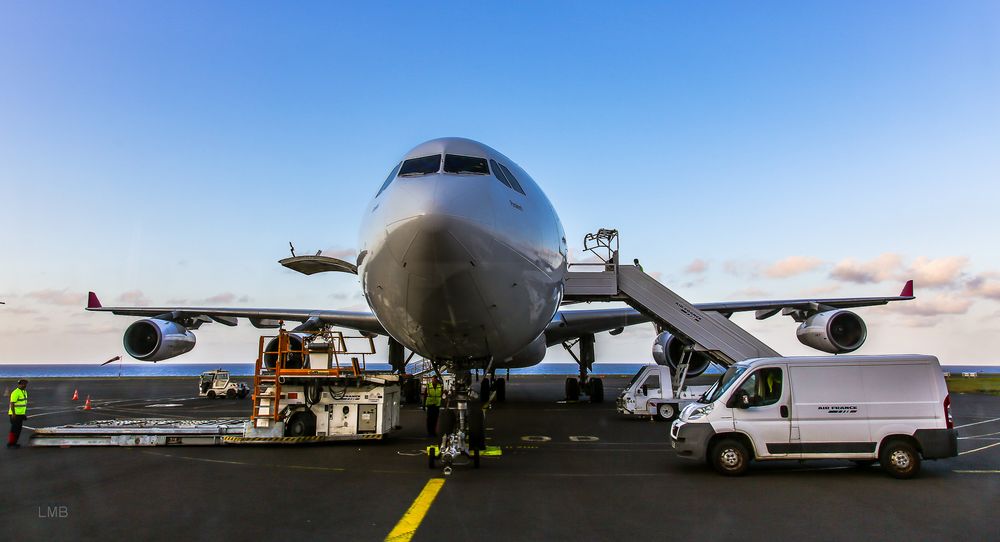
(294, 360)
(667, 350)
(836, 332)
(156, 340)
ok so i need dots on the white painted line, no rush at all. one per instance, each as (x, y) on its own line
(977, 471)
(977, 423)
(980, 449)
(979, 436)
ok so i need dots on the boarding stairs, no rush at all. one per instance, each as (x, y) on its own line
(606, 280)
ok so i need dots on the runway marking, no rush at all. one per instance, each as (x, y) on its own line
(245, 463)
(536, 438)
(977, 471)
(408, 524)
(977, 423)
(979, 436)
(583, 438)
(980, 449)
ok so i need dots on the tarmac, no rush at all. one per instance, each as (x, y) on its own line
(567, 472)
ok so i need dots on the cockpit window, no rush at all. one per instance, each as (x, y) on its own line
(454, 163)
(388, 180)
(499, 174)
(420, 166)
(513, 180)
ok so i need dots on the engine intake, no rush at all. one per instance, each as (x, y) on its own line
(294, 359)
(836, 332)
(155, 340)
(667, 350)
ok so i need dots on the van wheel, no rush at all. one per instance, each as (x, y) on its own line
(666, 412)
(730, 457)
(900, 459)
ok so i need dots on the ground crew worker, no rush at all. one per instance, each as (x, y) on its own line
(432, 402)
(17, 411)
(636, 262)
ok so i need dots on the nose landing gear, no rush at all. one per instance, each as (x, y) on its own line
(462, 428)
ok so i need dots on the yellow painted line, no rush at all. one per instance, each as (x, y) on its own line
(980, 449)
(407, 526)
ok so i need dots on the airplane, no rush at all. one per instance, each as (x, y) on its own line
(463, 260)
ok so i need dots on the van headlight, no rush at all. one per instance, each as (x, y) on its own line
(700, 412)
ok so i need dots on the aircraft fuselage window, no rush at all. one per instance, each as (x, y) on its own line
(512, 179)
(469, 165)
(499, 174)
(420, 166)
(388, 180)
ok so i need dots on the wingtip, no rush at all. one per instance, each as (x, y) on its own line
(92, 301)
(907, 289)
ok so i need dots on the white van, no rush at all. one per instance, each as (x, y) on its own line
(894, 409)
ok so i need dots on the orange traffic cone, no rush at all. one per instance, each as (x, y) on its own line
(86, 406)
(76, 396)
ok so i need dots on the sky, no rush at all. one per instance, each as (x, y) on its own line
(167, 152)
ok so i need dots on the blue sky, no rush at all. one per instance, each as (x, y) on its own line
(167, 152)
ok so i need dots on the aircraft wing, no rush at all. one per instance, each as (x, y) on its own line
(570, 324)
(193, 317)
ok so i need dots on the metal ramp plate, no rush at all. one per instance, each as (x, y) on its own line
(722, 339)
(140, 432)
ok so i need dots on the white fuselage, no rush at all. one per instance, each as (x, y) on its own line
(460, 266)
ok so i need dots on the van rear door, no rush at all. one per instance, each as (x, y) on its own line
(829, 410)
(767, 420)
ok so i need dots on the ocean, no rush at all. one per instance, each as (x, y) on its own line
(25, 370)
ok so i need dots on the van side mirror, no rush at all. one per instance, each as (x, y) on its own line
(740, 399)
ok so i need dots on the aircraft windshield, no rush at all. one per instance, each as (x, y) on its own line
(724, 383)
(420, 166)
(454, 163)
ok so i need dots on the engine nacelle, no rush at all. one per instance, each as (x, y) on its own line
(156, 340)
(667, 350)
(530, 355)
(836, 332)
(294, 360)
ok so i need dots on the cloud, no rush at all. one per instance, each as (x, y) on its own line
(17, 310)
(936, 273)
(791, 266)
(747, 293)
(134, 297)
(877, 270)
(939, 305)
(821, 290)
(984, 285)
(58, 297)
(737, 268)
(696, 267)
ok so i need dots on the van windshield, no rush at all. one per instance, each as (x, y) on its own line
(724, 383)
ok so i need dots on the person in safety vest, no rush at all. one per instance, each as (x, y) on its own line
(17, 411)
(432, 402)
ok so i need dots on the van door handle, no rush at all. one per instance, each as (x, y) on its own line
(784, 411)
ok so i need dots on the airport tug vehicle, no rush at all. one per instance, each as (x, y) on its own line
(654, 392)
(217, 383)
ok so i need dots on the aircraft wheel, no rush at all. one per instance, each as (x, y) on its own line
(484, 389)
(572, 389)
(446, 421)
(596, 390)
(500, 385)
(477, 429)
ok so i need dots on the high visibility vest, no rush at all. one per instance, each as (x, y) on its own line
(19, 398)
(433, 395)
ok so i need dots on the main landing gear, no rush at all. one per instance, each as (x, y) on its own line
(593, 387)
(494, 384)
(462, 426)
